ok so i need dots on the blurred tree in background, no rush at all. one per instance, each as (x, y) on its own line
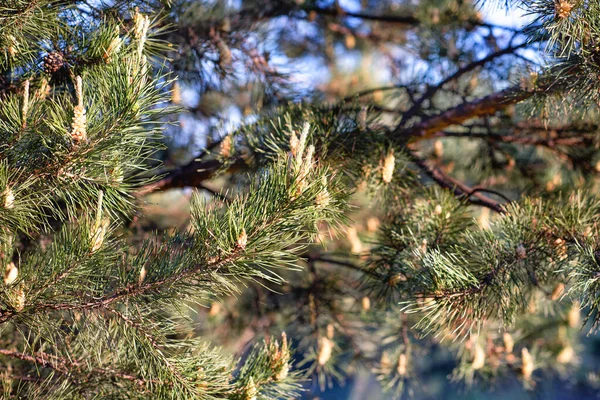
(406, 188)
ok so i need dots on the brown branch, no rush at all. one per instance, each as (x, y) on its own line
(432, 90)
(454, 116)
(459, 188)
(408, 19)
(347, 264)
(69, 366)
(193, 174)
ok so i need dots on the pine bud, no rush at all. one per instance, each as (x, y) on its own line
(435, 15)
(563, 8)
(521, 252)
(142, 23)
(25, 105)
(242, 240)
(366, 303)
(510, 163)
(20, 299)
(281, 358)
(284, 344)
(251, 391)
(527, 366)
(330, 331)
(402, 365)
(98, 233)
(532, 305)
(574, 316)
(561, 247)
(10, 273)
(478, 357)
(143, 273)
(12, 47)
(558, 291)
(424, 246)
(566, 355)
(373, 224)
(226, 24)
(355, 243)
(509, 343)
(282, 373)
(143, 72)
(226, 146)
(438, 209)
(323, 198)
(301, 145)
(325, 350)
(378, 96)
(303, 167)
(113, 48)
(438, 149)
(385, 363)
(362, 119)
(350, 41)
(9, 198)
(215, 309)
(79, 125)
(307, 162)
(389, 164)
(484, 218)
(294, 142)
(176, 93)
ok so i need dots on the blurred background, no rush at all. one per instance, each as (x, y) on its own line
(236, 60)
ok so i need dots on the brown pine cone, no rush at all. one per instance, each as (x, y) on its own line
(53, 62)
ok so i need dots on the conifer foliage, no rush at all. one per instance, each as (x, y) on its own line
(453, 210)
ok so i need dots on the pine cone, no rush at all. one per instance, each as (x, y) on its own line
(53, 62)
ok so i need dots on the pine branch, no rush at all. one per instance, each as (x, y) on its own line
(337, 12)
(408, 19)
(458, 188)
(151, 339)
(193, 174)
(69, 367)
(126, 292)
(487, 105)
(432, 90)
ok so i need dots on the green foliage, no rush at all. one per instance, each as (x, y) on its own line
(95, 304)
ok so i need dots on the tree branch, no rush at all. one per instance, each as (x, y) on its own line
(432, 90)
(484, 106)
(458, 188)
(398, 19)
(192, 174)
(69, 366)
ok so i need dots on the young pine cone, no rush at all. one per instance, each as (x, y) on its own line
(53, 62)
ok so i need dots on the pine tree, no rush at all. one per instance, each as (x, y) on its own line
(449, 210)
